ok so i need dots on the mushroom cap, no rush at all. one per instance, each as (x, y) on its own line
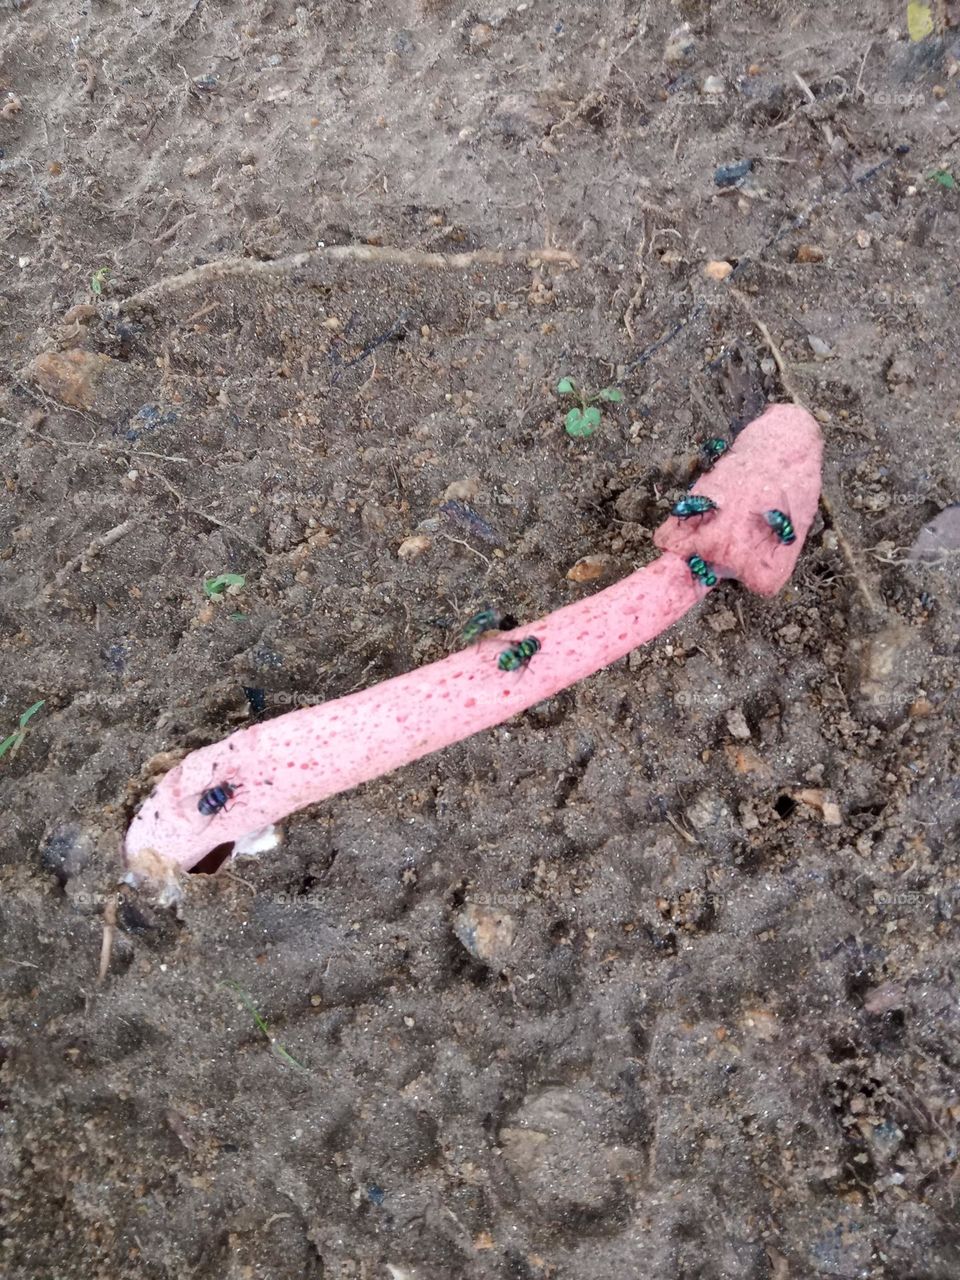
(774, 464)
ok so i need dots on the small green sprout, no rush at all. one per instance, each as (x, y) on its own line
(943, 178)
(216, 588)
(583, 420)
(15, 740)
(277, 1049)
(98, 280)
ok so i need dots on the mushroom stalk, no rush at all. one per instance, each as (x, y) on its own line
(261, 774)
(305, 756)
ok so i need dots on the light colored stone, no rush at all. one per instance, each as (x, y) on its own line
(68, 376)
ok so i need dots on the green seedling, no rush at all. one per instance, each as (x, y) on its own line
(99, 280)
(943, 178)
(15, 740)
(583, 420)
(216, 588)
(275, 1048)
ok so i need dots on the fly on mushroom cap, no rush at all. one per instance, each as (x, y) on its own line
(780, 451)
(215, 799)
(781, 526)
(702, 571)
(694, 504)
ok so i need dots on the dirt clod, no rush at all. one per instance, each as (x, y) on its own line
(69, 376)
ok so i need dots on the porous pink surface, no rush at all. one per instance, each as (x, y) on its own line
(774, 464)
(305, 756)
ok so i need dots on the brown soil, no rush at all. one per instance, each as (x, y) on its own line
(656, 980)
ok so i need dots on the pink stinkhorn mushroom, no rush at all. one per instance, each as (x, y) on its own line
(270, 770)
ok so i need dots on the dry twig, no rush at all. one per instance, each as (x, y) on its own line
(99, 543)
(109, 934)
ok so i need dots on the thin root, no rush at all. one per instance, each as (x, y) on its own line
(355, 253)
(632, 305)
(869, 599)
(460, 542)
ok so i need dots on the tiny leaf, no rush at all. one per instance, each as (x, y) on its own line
(581, 423)
(944, 178)
(31, 711)
(566, 386)
(216, 586)
(611, 395)
(7, 743)
(919, 21)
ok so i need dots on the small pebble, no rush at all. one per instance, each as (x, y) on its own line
(718, 269)
(413, 546)
(707, 810)
(737, 724)
(714, 86)
(588, 569)
(480, 36)
(731, 175)
(809, 253)
(464, 490)
(486, 933)
(722, 620)
(901, 372)
(939, 539)
(882, 999)
(680, 47)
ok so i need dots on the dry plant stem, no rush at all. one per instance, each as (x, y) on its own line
(94, 548)
(785, 378)
(862, 585)
(205, 515)
(378, 255)
(109, 934)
